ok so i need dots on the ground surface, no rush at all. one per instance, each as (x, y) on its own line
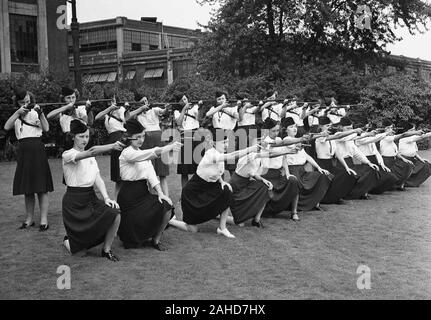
(316, 258)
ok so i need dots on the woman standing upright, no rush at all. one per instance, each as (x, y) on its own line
(114, 123)
(69, 112)
(88, 220)
(32, 175)
(144, 216)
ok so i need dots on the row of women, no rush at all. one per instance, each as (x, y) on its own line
(270, 176)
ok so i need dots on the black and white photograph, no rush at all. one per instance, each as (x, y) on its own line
(197, 151)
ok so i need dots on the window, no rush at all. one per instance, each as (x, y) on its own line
(153, 73)
(136, 47)
(23, 38)
(104, 39)
(140, 41)
(178, 42)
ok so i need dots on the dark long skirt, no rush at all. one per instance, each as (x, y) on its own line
(115, 162)
(32, 174)
(154, 139)
(301, 131)
(387, 180)
(187, 162)
(231, 165)
(86, 218)
(202, 201)
(342, 183)
(313, 187)
(248, 198)
(399, 168)
(141, 213)
(421, 172)
(367, 179)
(282, 195)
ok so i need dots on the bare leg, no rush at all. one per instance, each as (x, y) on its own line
(222, 229)
(43, 205)
(165, 221)
(29, 207)
(259, 214)
(164, 186)
(183, 226)
(110, 235)
(295, 208)
(117, 189)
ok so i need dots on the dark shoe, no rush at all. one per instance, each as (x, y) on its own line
(159, 246)
(401, 189)
(43, 227)
(25, 225)
(257, 224)
(110, 256)
(318, 208)
(341, 201)
(364, 197)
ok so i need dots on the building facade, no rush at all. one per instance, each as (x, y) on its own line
(144, 50)
(31, 39)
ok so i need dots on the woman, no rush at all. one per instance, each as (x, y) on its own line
(399, 166)
(144, 216)
(32, 174)
(114, 123)
(344, 179)
(313, 185)
(247, 129)
(207, 195)
(188, 122)
(366, 172)
(409, 150)
(251, 191)
(367, 145)
(88, 220)
(225, 117)
(285, 192)
(149, 117)
(69, 112)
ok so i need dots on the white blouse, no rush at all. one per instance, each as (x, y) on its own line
(248, 166)
(25, 131)
(335, 118)
(112, 124)
(211, 167)
(80, 173)
(249, 117)
(273, 163)
(296, 159)
(223, 121)
(150, 119)
(408, 147)
(190, 119)
(325, 149)
(65, 119)
(388, 147)
(274, 112)
(136, 165)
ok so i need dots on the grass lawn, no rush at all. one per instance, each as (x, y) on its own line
(316, 258)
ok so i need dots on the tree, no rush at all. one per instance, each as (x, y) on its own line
(247, 37)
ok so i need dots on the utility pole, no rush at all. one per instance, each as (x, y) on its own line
(75, 43)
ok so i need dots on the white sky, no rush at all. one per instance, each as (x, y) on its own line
(188, 13)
